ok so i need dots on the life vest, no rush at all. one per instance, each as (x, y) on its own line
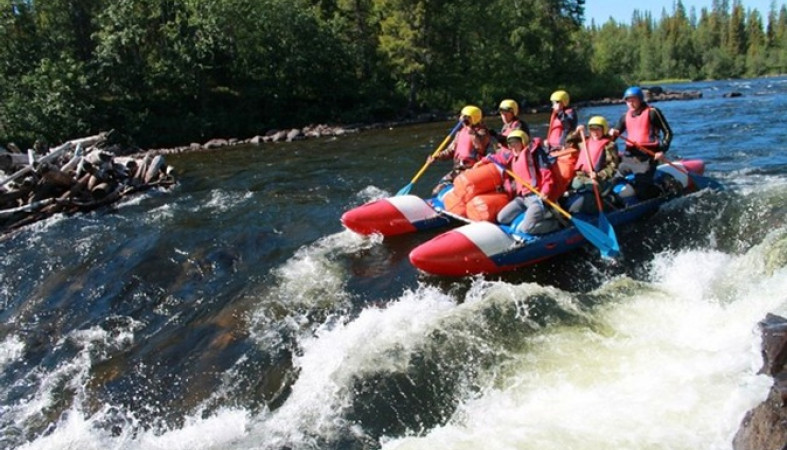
(556, 131)
(597, 156)
(464, 151)
(511, 126)
(639, 129)
(524, 166)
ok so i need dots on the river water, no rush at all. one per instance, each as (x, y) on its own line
(235, 312)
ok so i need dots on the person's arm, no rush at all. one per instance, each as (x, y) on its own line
(619, 127)
(612, 159)
(660, 122)
(448, 152)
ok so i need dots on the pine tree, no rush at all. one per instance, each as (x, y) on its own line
(756, 53)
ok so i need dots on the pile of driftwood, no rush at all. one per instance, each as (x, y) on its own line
(80, 175)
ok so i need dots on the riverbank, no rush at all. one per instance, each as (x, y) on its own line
(653, 94)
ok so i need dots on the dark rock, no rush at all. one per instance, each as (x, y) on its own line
(774, 344)
(732, 95)
(765, 426)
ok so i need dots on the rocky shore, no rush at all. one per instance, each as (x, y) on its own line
(90, 172)
(653, 94)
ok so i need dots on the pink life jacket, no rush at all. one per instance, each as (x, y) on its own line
(555, 138)
(597, 155)
(638, 128)
(464, 151)
(524, 166)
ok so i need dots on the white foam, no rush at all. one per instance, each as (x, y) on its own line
(379, 340)
(11, 349)
(672, 365)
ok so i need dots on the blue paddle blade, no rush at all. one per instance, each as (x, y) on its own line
(405, 190)
(606, 228)
(595, 236)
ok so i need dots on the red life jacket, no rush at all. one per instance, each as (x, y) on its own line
(524, 166)
(597, 155)
(464, 151)
(639, 129)
(511, 126)
(555, 138)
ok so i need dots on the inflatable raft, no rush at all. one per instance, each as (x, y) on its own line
(484, 248)
(472, 195)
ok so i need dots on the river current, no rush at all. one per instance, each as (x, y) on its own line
(234, 311)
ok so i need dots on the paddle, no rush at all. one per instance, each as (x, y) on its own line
(700, 181)
(549, 128)
(603, 223)
(406, 190)
(595, 236)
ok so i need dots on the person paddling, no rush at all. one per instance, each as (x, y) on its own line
(529, 162)
(467, 148)
(646, 126)
(596, 165)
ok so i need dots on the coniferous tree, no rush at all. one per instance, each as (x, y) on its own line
(756, 53)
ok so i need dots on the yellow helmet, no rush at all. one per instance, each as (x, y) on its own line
(509, 105)
(560, 96)
(473, 112)
(519, 134)
(599, 121)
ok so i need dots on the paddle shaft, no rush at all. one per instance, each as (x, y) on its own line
(549, 128)
(592, 171)
(653, 155)
(440, 148)
(537, 192)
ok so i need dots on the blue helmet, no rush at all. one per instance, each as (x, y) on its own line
(634, 91)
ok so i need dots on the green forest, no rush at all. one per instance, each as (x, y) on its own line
(169, 72)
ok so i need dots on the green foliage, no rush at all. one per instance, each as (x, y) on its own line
(170, 72)
(725, 42)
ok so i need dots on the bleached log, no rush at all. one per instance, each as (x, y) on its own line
(142, 168)
(88, 141)
(154, 169)
(46, 158)
(72, 163)
(34, 206)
